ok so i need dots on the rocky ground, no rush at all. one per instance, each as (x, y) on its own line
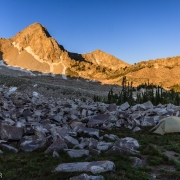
(45, 134)
(54, 86)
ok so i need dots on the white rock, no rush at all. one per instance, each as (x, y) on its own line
(86, 177)
(12, 89)
(35, 94)
(94, 167)
(136, 129)
(77, 153)
(125, 106)
(55, 154)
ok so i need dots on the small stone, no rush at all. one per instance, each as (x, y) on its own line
(9, 121)
(104, 146)
(98, 120)
(93, 143)
(58, 118)
(136, 129)
(57, 145)
(9, 148)
(55, 154)
(111, 137)
(136, 161)
(10, 132)
(94, 151)
(77, 153)
(84, 113)
(148, 104)
(76, 124)
(112, 107)
(118, 150)
(128, 144)
(125, 106)
(86, 177)
(88, 132)
(70, 140)
(31, 145)
(153, 176)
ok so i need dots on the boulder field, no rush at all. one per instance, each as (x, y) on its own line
(29, 122)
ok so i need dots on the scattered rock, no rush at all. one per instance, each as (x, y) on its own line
(77, 153)
(88, 132)
(136, 161)
(9, 148)
(8, 132)
(112, 107)
(111, 137)
(70, 140)
(57, 145)
(94, 151)
(31, 145)
(55, 154)
(86, 177)
(98, 120)
(94, 167)
(128, 145)
(148, 104)
(136, 129)
(104, 146)
(125, 106)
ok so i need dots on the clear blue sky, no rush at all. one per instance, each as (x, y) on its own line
(131, 30)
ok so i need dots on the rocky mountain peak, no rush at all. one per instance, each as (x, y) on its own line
(35, 28)
(100, 57)
(36, 40)
(33, 48)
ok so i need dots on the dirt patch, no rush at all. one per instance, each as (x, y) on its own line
(157, 172)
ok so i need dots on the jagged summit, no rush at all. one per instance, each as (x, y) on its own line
(35, 28)
(100, 57)
(33, 48)
(39, 40)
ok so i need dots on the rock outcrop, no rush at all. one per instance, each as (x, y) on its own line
(73, 126)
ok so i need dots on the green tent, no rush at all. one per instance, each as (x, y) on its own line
(170, 124)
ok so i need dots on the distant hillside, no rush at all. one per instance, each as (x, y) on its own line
(164, 72)
(33, 48)
(101, 58)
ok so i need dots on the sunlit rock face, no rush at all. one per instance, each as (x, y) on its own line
(99, 57)
(33, 48)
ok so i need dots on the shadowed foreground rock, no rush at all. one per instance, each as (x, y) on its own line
(74, 126)
(94, 167)
(9, 148)
(86, 177)
(136, 161)
(31, 145)
(77, 153)
(57, 145)
(11, 132)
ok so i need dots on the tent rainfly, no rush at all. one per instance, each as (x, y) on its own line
(170, 124)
